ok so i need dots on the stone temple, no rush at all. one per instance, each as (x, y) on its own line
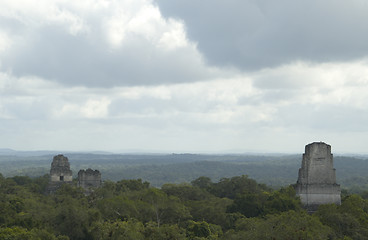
(316, 183)
(60, 173)
(89, 179)
(60, 169)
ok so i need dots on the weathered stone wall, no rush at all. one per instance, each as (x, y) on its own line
(60, 169)
(317, 178)
(314, 194)
(317, 165)
(60, 173)
(89, 178)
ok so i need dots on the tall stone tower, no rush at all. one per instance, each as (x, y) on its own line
(60, 173)
(316, 183)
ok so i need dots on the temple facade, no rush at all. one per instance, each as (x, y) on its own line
(60, 169)
(316, 183)
(60, 173)
(89, 179)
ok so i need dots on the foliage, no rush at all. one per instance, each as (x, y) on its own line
(287, 225)
(158, 169)
(19, 233)
(203, 230)
(116, 230)
(262, 203)
(348, 220)
(232, 187)
(233, 208)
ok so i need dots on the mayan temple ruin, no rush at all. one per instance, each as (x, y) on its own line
(316, 183)
(60, 173)
(89, 179)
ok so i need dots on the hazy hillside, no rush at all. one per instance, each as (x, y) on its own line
(177, 168)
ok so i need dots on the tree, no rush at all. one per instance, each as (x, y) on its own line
(203, 230)
(348, 220)
(282, 200)
(117, 230)
(250, 205)
(131, 185)
(118, 207)
(202, 182)
(72, 219)
(234, 186)
(287, 225)
(186, 192)
(164, 232)
(212, 210)
(18, 233)
(166, 209)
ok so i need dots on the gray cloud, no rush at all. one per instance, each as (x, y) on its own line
(120, 44)
(119, 75)
(52, 53)
(257, 34)
(322, 118)
(11, 25)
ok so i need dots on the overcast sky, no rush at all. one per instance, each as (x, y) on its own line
(184, 75)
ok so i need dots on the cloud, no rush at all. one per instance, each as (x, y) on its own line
(339, 84)
(114, 43)
(252, 35)
(238, 112)
(189, 76)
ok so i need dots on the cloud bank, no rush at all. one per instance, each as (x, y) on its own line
(106, 44)
(207, 76)
(252, 35)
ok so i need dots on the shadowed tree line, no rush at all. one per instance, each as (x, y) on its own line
(232, 208)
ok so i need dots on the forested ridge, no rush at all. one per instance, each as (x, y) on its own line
(231, 208)
(158, 169)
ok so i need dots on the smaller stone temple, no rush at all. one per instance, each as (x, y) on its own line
(316, 183)
(60, 173)
(89, 179)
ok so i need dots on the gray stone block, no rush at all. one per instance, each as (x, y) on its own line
(60, 173)
(316, 183)
(89, 179)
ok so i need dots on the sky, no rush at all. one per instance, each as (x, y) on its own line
(179, 76)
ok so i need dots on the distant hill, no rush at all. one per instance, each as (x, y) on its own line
(279, 170)
(7, 151)
(11, 152)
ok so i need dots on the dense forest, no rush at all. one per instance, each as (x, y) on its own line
(231, 208)
(274, 170)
